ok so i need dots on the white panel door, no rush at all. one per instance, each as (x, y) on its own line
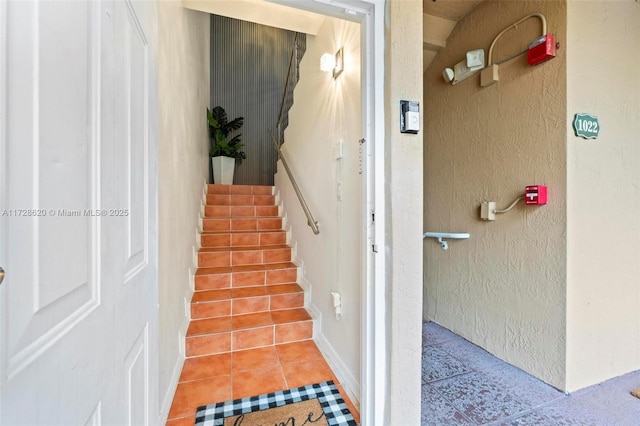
(78, 305)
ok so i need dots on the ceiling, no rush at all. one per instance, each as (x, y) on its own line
(439, 18)
(261, 12)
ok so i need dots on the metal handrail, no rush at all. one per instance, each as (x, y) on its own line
(310, 219)
(286, 81)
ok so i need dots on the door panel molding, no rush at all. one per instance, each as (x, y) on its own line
(95, 418)
(30, 353)
(66, 133)
(137, 94)
(60, 294)
(137, 369)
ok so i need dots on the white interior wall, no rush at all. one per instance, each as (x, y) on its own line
(325, 111)
(603, 192)
(183, 80)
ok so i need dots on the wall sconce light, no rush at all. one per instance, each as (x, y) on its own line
(334, 63)
(327, 62)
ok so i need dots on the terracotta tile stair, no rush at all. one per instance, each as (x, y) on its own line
(249, 332)
(246, 292)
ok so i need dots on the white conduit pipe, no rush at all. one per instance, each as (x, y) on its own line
(508, 209)
(515, 25)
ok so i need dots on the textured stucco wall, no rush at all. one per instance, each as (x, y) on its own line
(603, 194)
(183, 87)
(503, 289)
(325, 111)
(404, 201)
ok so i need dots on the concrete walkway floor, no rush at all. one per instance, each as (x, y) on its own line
(464, 385)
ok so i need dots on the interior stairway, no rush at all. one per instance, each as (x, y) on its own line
(246, 295)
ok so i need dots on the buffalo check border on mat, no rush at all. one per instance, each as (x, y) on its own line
(334, 407)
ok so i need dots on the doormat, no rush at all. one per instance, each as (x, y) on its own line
(636, 392)
(317, 404)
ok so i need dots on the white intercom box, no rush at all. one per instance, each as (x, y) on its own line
(409, 117)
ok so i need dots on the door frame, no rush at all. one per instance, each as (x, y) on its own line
(373, 353)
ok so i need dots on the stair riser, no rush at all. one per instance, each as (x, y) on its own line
(256, 306)
(243, 239)
(213, 189)
(249, 257)
(261, 224)
(248, 339)
(245, 279)
(241, 200)
(241, 211)
(248, 305)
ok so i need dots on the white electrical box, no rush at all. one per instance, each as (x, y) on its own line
(488, 210)
(338, 150)
(337, 304)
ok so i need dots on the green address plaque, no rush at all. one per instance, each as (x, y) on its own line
(586, 125)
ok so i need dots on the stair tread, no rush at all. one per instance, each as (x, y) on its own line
(245, 268)
(224, 216)
(284, 288)
(210, 295)
(290, 315)
(240, 217)
(199, 327)
(257, 200)
(252, 305)
(265, 208)
(262, 231)
(236, 196)
(243, 248)
(206, 296)
(209, 326)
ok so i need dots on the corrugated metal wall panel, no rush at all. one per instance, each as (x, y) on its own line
(248, 67)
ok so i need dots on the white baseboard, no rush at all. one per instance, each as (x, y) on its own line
(350, 384)
(198, 244)
(347, 380)
(175, 375)
(167, 400)
(194, 255)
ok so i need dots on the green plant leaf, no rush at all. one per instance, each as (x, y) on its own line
(235, 124)
(219, 115)
(219, 129)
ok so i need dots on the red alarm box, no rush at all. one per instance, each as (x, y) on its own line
(542, 49)
(535, 195)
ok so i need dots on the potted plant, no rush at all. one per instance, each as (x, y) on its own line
(224, 152)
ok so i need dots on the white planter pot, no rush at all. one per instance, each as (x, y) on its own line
(223, 168)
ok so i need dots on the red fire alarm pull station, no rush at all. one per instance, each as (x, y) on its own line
(535, 195)
(542, 49)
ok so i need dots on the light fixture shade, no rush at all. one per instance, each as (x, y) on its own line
(339, 63)
(327, 62)
(475, 58)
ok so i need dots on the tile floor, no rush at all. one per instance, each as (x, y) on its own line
(464, 385)
(222, 377)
